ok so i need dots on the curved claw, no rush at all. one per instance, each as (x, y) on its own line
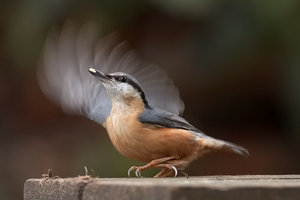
(138, 173)
(129, 171)
(175, 171)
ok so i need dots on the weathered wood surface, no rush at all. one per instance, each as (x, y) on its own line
(258, 187)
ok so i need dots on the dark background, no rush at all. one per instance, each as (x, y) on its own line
(237, 65)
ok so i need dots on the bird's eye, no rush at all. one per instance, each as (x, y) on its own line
(122, 78)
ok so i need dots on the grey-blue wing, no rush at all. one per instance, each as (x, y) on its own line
(161, 118)
(64, 77)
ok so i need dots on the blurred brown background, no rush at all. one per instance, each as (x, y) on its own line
(237, 65)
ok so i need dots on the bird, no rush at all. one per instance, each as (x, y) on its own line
(136, 102)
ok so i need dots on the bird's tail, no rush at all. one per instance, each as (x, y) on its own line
(236, 148)
(227, 146)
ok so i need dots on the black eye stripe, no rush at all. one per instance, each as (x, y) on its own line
(138, 88)
(121, 78)
(134, 84)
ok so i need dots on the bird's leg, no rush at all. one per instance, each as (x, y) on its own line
(153, 163)
(162, 173)
(166, 170)
(167, 173)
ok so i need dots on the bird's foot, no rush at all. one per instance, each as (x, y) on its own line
(165, 172)
(158, 163)
(138, 171)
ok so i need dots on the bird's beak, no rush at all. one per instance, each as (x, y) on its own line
(100, 75)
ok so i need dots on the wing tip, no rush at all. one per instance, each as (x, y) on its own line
(238, 149)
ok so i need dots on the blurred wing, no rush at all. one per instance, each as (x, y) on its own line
(64, 77)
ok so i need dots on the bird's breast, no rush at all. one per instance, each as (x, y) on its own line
(124, 128)
(145, 142)
(124, 131)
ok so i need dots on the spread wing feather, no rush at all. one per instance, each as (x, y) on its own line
(63, 72)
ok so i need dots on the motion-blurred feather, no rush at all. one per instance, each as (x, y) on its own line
(63, 73)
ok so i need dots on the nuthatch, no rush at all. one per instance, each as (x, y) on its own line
(142, 124)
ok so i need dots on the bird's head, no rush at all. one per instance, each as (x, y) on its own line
(120, 86)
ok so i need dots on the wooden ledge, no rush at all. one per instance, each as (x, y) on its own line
(259, 187)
